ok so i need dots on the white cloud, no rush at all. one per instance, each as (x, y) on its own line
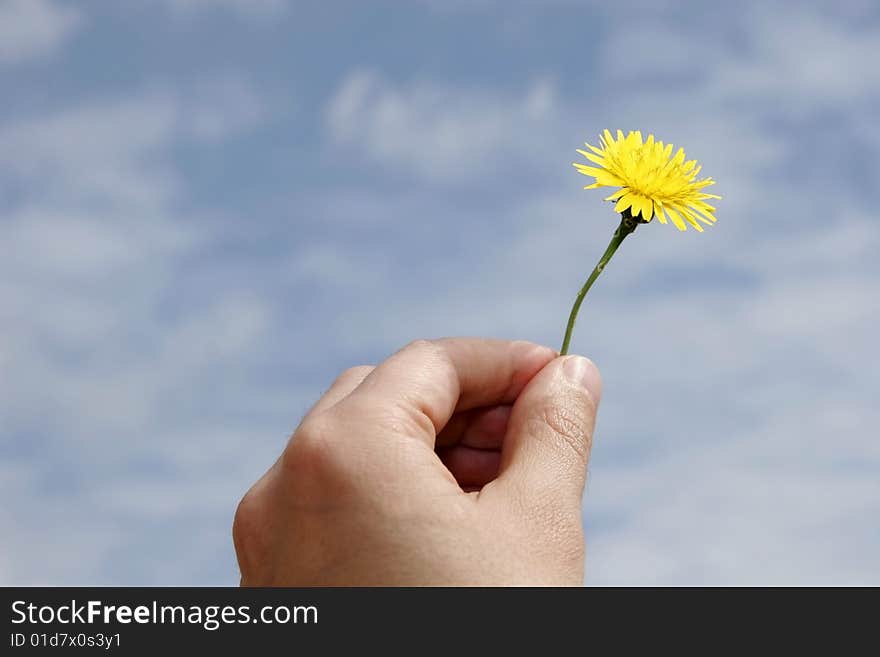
(99, 365)
(437, 131)
(803, 59)
(34, 28)
(695, 523)
(90, 252)
(811, 61)
(223, 106)
(112, 151)
(95, 153)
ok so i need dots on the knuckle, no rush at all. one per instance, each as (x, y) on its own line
(420, 343)
(568, 424)
(433, 352)
(435, 355)
(354, 373)
(242, 518)
(411, 419)
(393, 417)
(247, 530)
(310, 447)
(426, 348)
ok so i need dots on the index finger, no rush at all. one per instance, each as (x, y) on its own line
(429, 380)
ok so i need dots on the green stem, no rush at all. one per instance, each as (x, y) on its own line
(627, 226)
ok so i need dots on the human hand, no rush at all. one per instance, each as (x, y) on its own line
(454, 462)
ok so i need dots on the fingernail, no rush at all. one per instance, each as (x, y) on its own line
(582, 372)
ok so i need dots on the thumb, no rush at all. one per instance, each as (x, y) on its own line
(550, 433)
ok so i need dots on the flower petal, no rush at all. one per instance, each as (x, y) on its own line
(661, 214)
(616, 195)
(676, 219)
(624, 202)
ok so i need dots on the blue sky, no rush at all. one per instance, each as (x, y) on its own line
(208, 208)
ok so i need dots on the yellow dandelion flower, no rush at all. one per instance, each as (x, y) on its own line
(652, 182)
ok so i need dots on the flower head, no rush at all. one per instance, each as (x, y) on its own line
(652, 182)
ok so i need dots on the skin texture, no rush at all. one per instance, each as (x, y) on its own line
(459, 461)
